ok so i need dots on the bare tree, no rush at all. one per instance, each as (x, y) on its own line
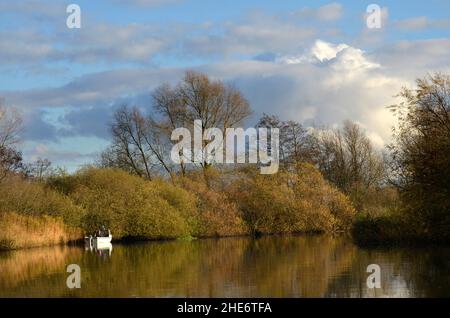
(197, 97)
(142, 143)
(128, 131)
(41, 168)
(168, 103)
(10, 162)
(212, 102)
(296, 144)
(137, 145)
(10, 126)
(348, 159)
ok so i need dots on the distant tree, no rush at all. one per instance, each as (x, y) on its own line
(296, 144)
(40, 169)
(137, 145)
(168, 104)
(10, 128)
(198, 97)
(142, 143)
(348, 159)
(11, 161)
(421, 152)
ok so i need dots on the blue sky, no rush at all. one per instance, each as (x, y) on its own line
(313, 61)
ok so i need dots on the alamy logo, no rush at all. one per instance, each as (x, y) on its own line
(373, 19)
(74, 19)
(74, 279)
(374, 279)
(239, 144)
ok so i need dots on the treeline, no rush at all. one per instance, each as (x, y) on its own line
(141, 139)
(345, 158)
(330, 180)
(419, 167)
(234, 203)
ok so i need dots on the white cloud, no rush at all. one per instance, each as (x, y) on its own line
(328, 12)
(23, 47)
(344, 83)
(321, 51)
(420, 23)
(139, 43)
(255, 34)
(324, 51)
(326, 84)
(130, 43)
(44, 151)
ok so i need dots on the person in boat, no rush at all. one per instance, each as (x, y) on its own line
(103, 232)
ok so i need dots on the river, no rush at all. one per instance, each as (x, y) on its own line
(271, 266)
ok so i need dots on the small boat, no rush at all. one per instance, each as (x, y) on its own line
(103, 239)
(98, 242)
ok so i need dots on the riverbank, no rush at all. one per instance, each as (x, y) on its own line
(24, 232)
(393, 230)
(229, 204)
(21, 231)
(235, 203)
(47, 232)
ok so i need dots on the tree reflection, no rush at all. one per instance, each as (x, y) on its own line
(275, 266)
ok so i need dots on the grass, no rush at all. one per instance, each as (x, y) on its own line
(22, 231)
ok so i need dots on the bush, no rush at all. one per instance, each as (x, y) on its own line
(180, 199)
(228, 204)
(130, 206)
(216, 214)
(35, 199)
(133, 207)
(386, 229)
(290, 202)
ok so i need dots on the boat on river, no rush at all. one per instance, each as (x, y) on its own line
(102, 239)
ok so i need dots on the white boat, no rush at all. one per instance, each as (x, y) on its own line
(98, 242)
(103, 239)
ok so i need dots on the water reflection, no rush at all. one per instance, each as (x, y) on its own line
(104, 250)
(313, 266)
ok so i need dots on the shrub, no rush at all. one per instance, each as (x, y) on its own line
(180, 199)
(130, 206)
(289, 202)
(217, 215)
(386, 229)
(133, 207)
(35, 199)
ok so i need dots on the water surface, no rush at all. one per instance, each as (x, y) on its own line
(291, 266)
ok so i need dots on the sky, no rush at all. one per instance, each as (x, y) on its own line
(316, 62)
